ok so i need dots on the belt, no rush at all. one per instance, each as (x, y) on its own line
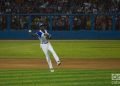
(44, 43)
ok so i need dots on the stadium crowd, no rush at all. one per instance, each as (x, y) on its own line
(80, 22)
(59, 6)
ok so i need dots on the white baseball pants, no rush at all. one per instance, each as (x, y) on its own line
(46, 48)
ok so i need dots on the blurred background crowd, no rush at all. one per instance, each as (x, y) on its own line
(59, 6)
(80, 22)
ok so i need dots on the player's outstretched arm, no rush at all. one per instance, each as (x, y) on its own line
(32, 33)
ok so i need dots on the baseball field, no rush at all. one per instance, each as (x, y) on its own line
(84, 63)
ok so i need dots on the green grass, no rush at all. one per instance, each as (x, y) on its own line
(61, 77)
(65, 49)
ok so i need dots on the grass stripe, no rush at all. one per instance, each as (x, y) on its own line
(62, 77)
(65, 49)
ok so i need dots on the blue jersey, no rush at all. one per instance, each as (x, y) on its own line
(42, 37)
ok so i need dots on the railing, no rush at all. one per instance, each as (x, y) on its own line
(61, 26)
(61, 22)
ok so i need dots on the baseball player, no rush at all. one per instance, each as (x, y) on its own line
(46, 46)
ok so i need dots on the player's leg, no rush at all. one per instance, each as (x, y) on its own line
(50, 48)
(45, 50)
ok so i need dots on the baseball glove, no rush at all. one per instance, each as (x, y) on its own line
(47, 36)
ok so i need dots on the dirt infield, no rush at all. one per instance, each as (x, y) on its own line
(66, 63)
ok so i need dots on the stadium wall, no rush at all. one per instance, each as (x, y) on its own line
(9, 33)
(63, 35)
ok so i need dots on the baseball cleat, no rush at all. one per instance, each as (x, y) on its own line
(51, 70)
(58, 63)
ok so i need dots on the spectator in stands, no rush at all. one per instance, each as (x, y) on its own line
(98, 21)
(23, 22)
(88, 23)
(15, 23)
(118, 23)
(109, 23)
(2, 23)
